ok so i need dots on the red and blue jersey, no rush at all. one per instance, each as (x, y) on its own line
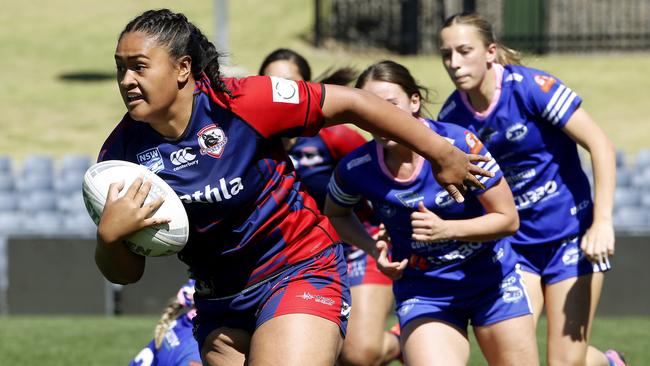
(523, 130)
(249, 216)
(316, 157)
(364, 174)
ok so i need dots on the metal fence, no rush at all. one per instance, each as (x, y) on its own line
(539, 26)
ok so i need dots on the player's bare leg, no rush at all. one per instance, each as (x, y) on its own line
(226, 347)
(509, 342)
(429, 342)
(535, 291)
(296, 340)
(570, 308)
(366, 341)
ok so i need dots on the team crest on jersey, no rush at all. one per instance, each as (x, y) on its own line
(151, 159)
(475, 145)
(212, 140)
(545, 82)
(516, 132)
(284, 91)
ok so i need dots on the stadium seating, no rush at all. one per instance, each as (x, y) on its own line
(42, 196)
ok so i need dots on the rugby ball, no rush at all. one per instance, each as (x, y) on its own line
(154, 241)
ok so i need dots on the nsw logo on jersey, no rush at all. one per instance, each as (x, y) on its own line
(410, 199)
(151, 159)
(212, 140)
(183, 158)
(284, 91)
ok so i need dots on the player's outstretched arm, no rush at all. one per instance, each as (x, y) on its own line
(452, 168)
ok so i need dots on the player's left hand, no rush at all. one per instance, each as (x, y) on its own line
(392, 270)
(427, 226)
(598, 241)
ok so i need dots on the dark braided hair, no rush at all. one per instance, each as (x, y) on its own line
(181, 38)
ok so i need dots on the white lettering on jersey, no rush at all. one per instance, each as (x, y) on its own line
(521, 176)
(217, 194)
(579, 207)
(358, 161)
(535, 195)
(284, 91)
(515, 77)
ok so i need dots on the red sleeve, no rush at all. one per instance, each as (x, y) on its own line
(274, 105)
(341, 140)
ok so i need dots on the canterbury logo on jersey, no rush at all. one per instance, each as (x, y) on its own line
(224, 191)
(183, 158)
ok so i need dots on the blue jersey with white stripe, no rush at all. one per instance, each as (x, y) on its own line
(178, 348)
(363, 174)
(523, 130)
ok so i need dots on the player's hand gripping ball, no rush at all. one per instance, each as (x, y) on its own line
(154, 241)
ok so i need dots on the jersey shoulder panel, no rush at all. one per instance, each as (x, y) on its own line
(542, 94)
(345, 186)
(114, 145)
(450, 107)
(273, 105)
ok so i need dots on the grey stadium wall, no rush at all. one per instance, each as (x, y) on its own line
(59, 276)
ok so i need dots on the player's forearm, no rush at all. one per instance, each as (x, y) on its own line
(491, 226)
(377, 116)
(352, 231)
(117, 263)
(603, 160)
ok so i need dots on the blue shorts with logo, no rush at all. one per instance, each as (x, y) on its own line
(557, 261)
(477, 305)
(318, 286)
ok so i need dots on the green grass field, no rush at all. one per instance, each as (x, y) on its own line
(59, 341)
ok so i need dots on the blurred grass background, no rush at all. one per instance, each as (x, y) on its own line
(41, 42)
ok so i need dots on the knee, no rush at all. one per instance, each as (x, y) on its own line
(363, 354)
(225, 346)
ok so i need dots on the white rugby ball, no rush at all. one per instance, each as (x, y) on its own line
(154, 241)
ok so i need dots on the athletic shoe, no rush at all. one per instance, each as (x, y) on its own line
(616, 358)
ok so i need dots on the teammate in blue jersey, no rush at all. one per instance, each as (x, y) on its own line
(173, 343)
(268, 266)
(531, 122)
(366, 342)
(449, 261)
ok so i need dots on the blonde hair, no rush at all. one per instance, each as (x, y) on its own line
(169, 314)
(505, 55)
